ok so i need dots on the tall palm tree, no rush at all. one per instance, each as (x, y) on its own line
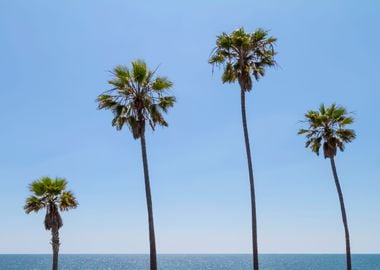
(327, 128)
(244, 57)
(51, 194)
(138, 99)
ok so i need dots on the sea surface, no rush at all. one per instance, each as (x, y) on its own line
(189, 262)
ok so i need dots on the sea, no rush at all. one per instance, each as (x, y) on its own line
(190, 262)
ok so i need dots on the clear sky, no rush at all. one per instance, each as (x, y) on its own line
(55, 58)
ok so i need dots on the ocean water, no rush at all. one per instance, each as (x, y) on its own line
(189, 262)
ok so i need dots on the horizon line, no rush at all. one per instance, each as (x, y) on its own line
(211, 253)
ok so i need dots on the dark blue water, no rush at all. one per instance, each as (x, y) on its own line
(189, 262)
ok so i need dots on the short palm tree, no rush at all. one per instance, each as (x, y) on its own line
(327, 129)
(138, 99)
(245, 57)
(51, 194)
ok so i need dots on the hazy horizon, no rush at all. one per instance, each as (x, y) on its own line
(262, 253)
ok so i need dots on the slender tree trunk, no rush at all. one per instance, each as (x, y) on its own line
(55, 245)
(152, 238)
(251, 182)
(344, 216)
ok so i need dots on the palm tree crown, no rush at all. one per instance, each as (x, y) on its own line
(137, 98)
(243, 54)
(50, 194)
(327, 128)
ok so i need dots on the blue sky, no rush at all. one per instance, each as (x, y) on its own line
(55, 58)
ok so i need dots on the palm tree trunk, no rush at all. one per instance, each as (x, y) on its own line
(344, 216)
(251, 181)
(55, 245)
(152, 238)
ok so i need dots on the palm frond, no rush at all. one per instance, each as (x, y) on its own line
(34, 204)
(138, 101)
(67, 201)
(139, 71)
(244, 55)
(50, 194)
(161, 83)
(326, 127)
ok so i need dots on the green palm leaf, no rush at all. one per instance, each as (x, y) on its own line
(244, 55)
(327, 128)
(137, 99)
(50, 194)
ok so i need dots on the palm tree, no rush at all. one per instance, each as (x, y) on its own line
(138, 99)
(51, 194)
(244, 57)
(327, 128)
